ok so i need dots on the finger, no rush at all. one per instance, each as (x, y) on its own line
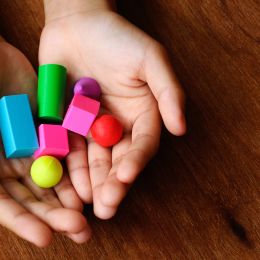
(10, 168)
(80, 237)
(59, 219)
(113, 191)
(45, 195)
(166, 88)
(14, 217)
(77, 164)
(145, 141)
(68, 195)
(50, 197)
(100, 163)
(100, 210)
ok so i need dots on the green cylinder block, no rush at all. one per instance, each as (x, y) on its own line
(51, 92)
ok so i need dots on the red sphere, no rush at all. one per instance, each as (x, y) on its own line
(107, 131)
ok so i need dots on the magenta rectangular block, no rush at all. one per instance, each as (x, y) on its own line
(53, 141)
(81, 114)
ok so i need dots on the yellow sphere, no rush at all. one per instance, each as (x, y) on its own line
(46, 171)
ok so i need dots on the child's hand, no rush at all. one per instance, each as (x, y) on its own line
(138, 84)
(29, 211)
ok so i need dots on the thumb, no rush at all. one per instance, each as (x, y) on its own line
(165, 87)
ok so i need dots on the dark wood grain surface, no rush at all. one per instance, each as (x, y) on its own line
(199, 197)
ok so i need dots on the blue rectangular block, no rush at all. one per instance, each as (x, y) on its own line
(17, 126)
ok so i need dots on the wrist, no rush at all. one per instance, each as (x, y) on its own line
(55, 9)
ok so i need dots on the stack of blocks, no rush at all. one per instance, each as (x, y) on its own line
(79, 118)
(18, 129)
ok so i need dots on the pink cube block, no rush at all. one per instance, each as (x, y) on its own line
(53, 141)
(81, 114)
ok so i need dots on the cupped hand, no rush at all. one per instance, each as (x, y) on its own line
(138, 87)
(29, 211)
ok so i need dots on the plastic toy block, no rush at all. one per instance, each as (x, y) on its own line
(51, 92)
(81, 114)
(17, 126)
(53, 141)
(46, 172)
(87, 87)
(107, 130)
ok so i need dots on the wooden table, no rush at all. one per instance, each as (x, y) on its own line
(199, 197)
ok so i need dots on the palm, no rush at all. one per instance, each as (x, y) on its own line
(10, 62)
(108, 48)
(29, 211)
